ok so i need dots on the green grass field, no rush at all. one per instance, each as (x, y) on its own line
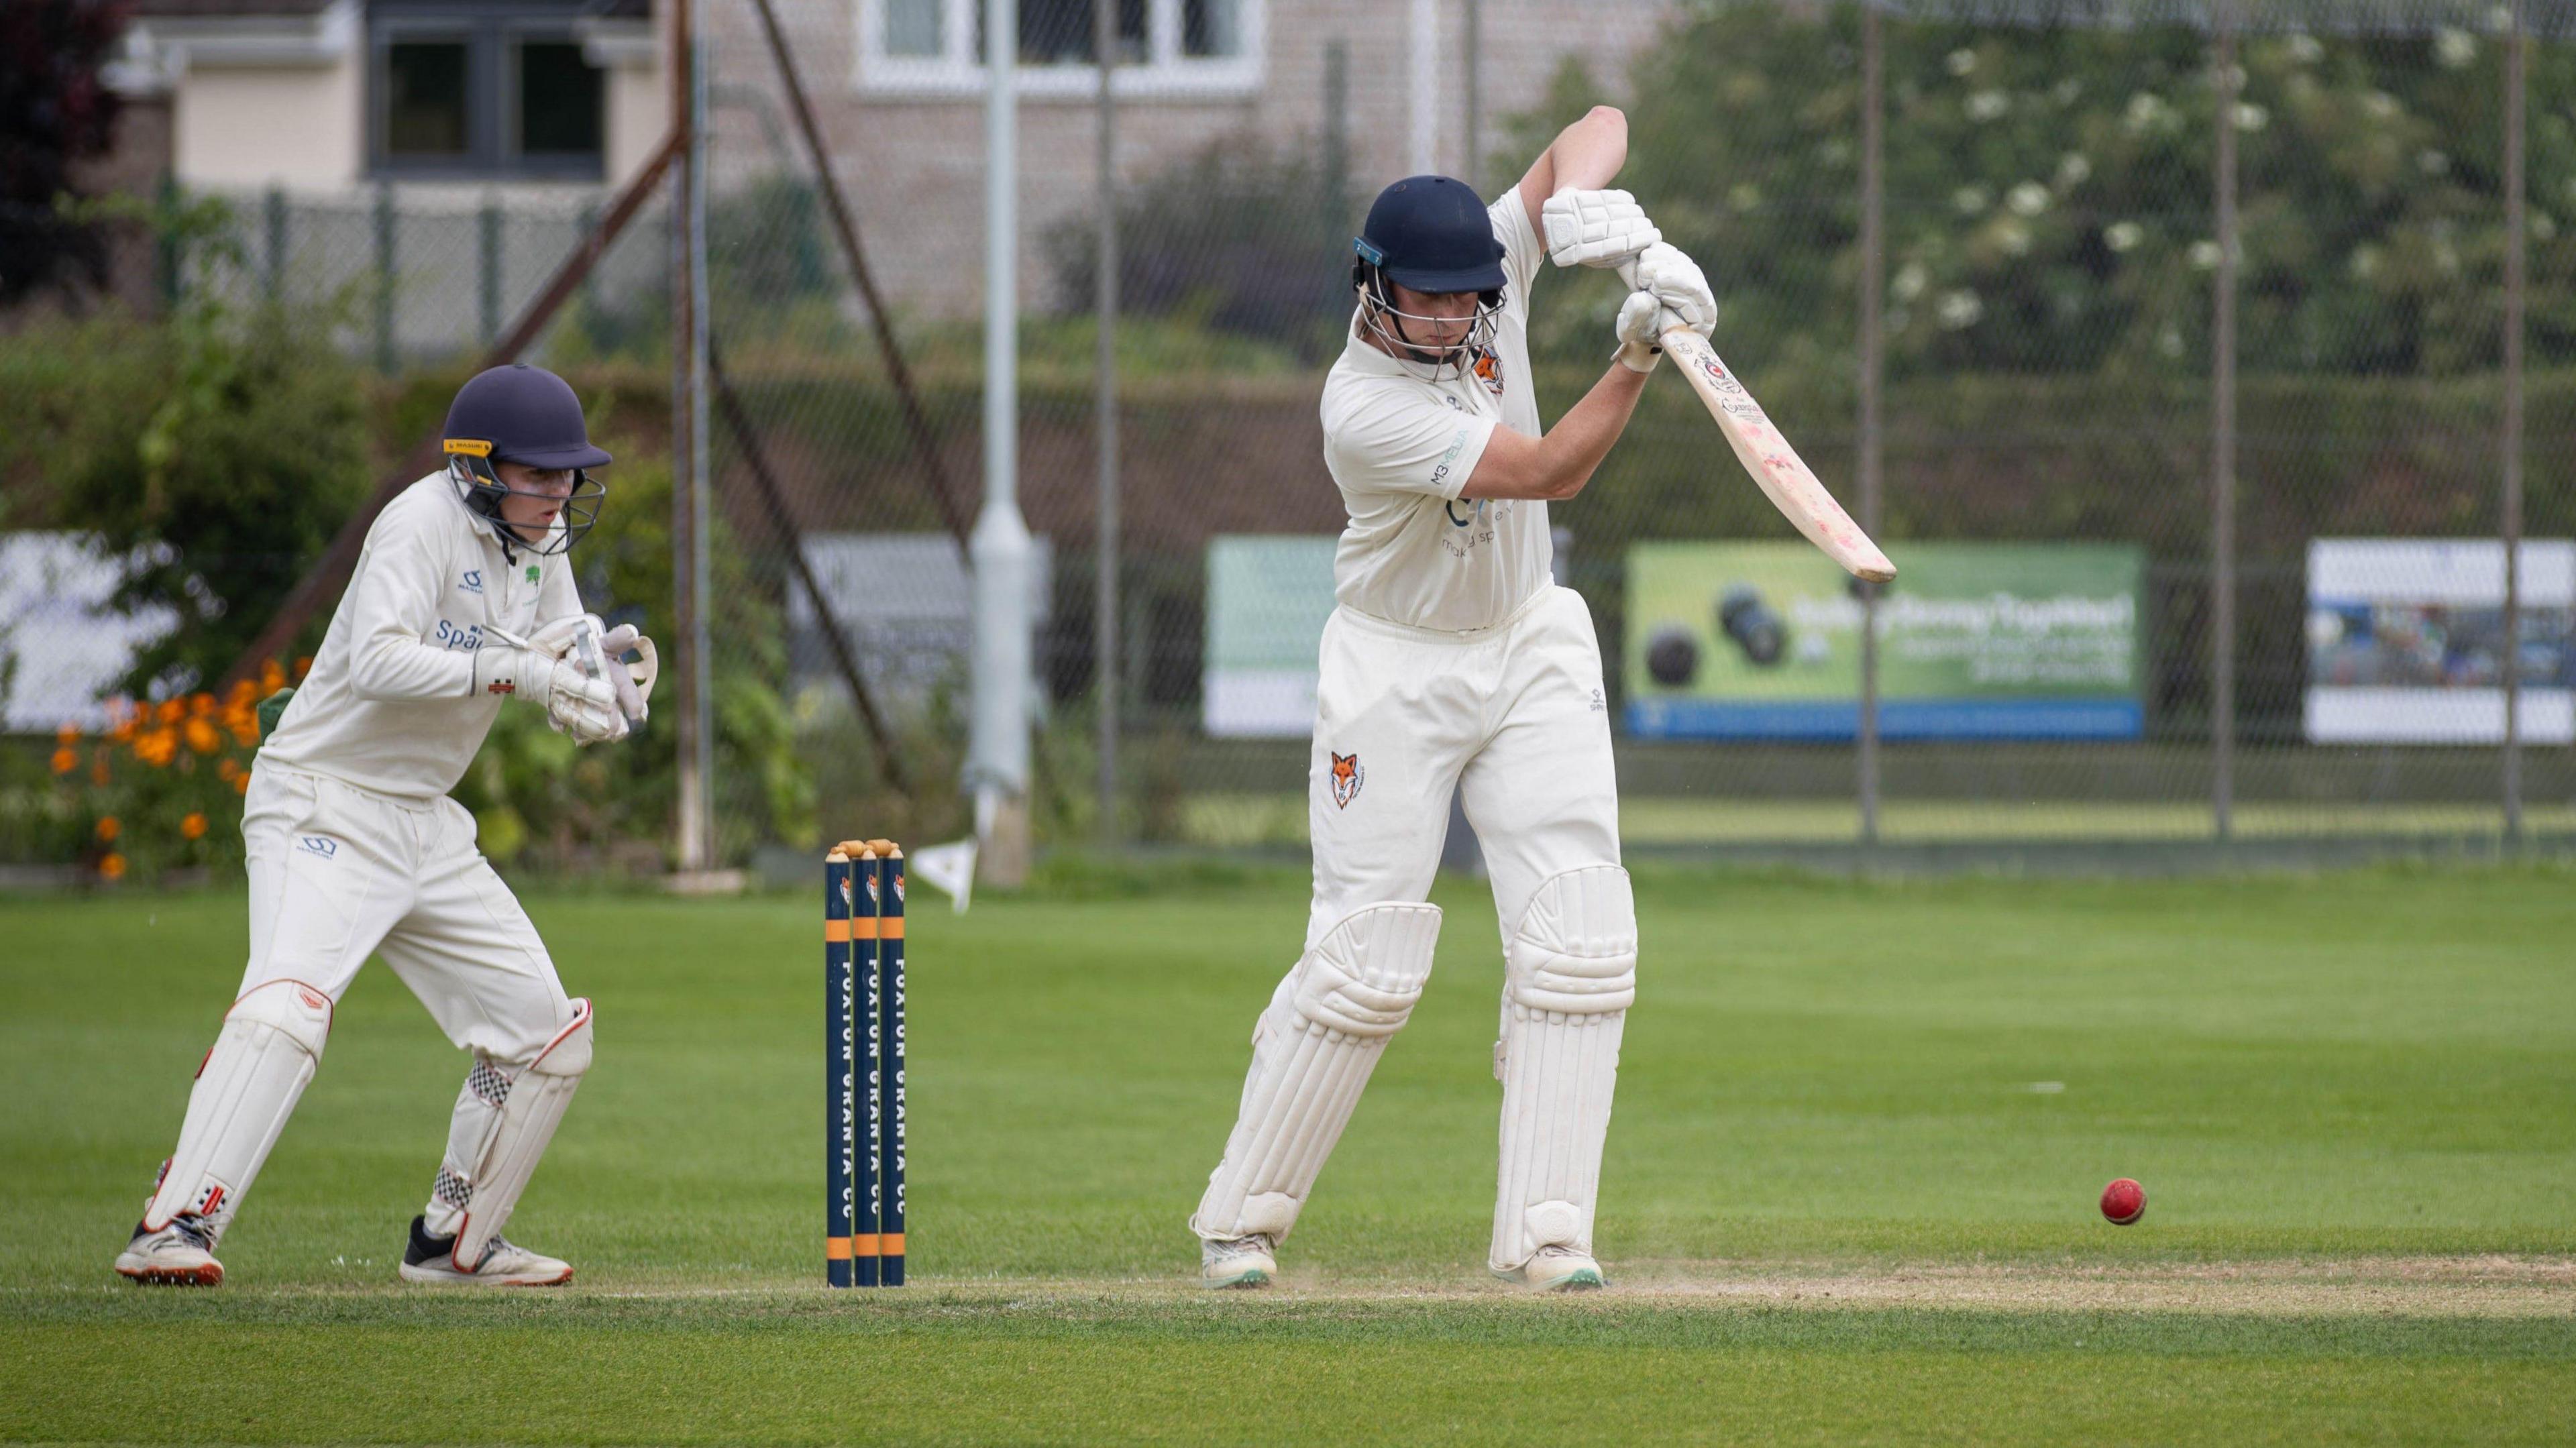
(1849, 1194)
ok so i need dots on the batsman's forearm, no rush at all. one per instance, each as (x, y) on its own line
(1587, 155)
(1582, 438)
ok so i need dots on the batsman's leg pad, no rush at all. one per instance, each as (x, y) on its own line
(1570, 973)
(1311, 1053)
(504, 1119)
(246, 1088)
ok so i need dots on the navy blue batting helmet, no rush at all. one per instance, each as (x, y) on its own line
(1431, 233)
(523, 414)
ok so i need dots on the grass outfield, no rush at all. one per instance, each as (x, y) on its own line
(1849, 1193)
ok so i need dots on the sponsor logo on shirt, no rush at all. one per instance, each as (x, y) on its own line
(1440, 469)
(467, 637)
(532, 573)
(320, 847)
(472, 582)
(1489, 370)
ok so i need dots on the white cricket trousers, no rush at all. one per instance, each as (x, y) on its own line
(338, 873)
(1513, 717)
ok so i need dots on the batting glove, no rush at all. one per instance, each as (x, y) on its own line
(1595, 228)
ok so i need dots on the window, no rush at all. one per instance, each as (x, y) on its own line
(425, 99)
(559, 100)
(502, 90)
(1166, 47)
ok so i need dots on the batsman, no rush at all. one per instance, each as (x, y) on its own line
(1453, 662)
(462, 603)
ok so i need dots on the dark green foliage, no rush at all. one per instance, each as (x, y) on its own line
(1244, 239)
(54, 112)
(220, 450)
(2049, 198)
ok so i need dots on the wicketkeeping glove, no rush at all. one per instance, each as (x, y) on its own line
(583, 707)
(1596, 228)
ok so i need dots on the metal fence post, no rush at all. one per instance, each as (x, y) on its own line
(2516, 231)
(2222, 450)
(1873, 365)
(1468, 167)
(384, 276)
(487, 271)
(1104, 608)
(274, 212)
(688, 448)
(166, 260)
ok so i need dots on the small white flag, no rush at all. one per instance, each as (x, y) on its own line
(948, 868)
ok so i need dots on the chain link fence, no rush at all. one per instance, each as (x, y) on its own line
(1994, 330)
(2049, 663)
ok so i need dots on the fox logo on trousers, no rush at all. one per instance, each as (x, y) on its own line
(1347, 778)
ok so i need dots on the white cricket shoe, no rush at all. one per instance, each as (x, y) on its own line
(433, 1259)
(181, 1254)
(1237, 1262)
(1557, 1269)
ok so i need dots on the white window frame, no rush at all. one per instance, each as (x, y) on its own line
(1165, 73)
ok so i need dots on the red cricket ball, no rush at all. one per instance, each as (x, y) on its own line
(2124, 1201)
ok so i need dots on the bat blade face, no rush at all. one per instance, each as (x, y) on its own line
(1784, 477)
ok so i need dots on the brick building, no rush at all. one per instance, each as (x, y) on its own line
(540, 106)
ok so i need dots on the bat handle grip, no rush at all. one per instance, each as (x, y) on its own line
(1665, 324)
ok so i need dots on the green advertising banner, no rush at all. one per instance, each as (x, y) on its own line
(1976, 641)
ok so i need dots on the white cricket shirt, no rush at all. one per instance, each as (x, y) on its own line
(389, 704)
(1400, 447)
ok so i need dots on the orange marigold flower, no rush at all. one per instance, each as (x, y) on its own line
(303, 666)
(193, 827)
(98, 769)
(67, 734)
(226, 769)
(65, 761)
(173, 710)
(272, 676)
(112, 865)
(241, 784)
(203, 738)
(108, 829)
(201, 704)
(158, 747)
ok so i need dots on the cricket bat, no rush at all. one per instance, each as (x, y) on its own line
(1785, 477)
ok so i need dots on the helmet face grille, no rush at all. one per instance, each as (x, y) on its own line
(480, 487)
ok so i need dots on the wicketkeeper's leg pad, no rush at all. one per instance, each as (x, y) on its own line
(246, 1087)
(1311, 1053)
(504, 1118)
(1570, 973)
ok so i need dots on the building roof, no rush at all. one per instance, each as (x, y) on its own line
(220, 9)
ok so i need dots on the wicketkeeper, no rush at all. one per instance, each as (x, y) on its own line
(462, 602)
(1454, 663)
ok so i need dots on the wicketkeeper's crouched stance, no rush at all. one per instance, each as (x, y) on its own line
(462, 599)
(1453, 662)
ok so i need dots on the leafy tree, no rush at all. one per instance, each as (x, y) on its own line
(2048, 192)
(217, 452)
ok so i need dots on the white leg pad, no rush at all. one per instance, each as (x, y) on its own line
(1570, 973)
(246, 1088)
(502, 1124)
(1311, 1053)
